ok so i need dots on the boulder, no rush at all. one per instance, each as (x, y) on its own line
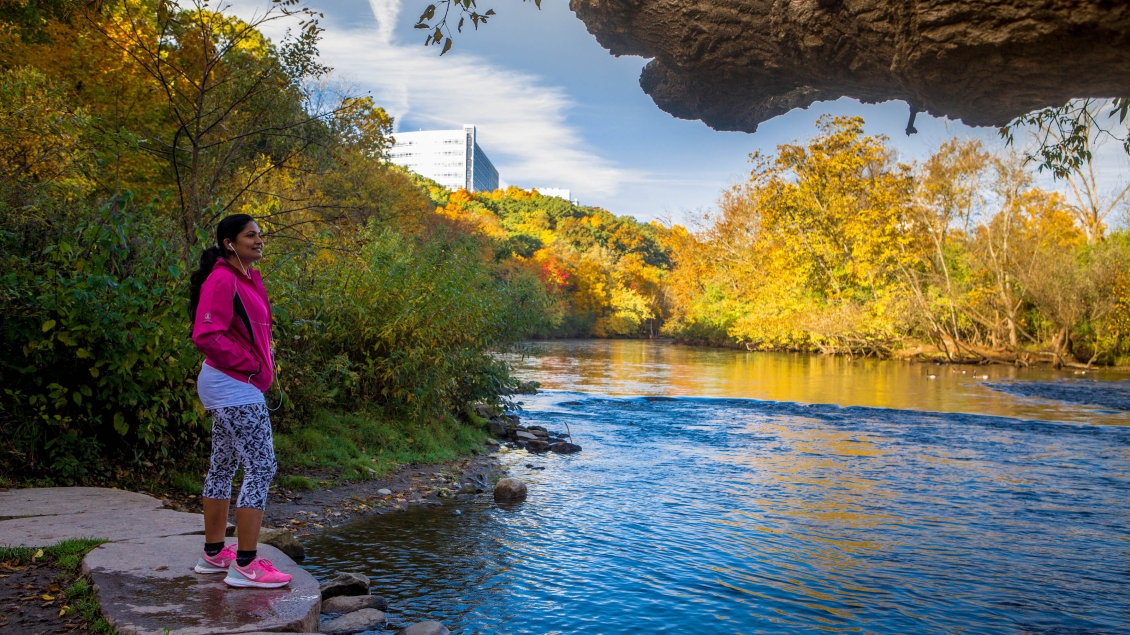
(509, 490)
(496, 427)
(425, 628)
(538, 446)
(345, 584)
(522, 435)
(565, 448)
(284, 541)
(486, 411)
(355, 622)
(350, 603)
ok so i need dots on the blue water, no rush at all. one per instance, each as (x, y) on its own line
(713, 515)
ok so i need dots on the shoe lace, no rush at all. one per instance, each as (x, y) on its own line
(267, 564)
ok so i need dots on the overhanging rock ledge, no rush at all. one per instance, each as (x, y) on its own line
(736, 63)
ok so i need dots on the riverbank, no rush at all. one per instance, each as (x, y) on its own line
(924, 352)
(412, 485)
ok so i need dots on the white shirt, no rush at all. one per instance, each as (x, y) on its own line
(218, 390)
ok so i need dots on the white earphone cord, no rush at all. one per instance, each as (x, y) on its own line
(282, 394)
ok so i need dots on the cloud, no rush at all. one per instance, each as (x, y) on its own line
(522, 122)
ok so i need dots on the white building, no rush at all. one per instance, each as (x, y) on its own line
(450, 157)
(558, 192)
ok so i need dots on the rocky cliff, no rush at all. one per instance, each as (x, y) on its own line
(736, 63)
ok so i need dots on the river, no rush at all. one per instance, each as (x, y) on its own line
(729, 492)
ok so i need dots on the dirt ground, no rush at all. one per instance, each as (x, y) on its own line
(24, 605)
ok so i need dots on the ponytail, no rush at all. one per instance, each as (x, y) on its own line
(228, 229)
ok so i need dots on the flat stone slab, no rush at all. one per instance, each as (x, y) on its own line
(42, 531)
(147, 587)
(52, 501)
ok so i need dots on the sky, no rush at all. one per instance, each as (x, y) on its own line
(555, 109)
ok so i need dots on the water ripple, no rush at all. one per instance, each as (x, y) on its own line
(744, 516)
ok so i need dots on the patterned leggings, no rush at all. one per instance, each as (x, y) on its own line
(241, 434)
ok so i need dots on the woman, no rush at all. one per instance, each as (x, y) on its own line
(232, 327)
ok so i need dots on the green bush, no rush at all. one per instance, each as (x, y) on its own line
(405, 324)
(99, 367)
(94, 348)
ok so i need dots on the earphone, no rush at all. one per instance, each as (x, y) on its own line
(231, 248)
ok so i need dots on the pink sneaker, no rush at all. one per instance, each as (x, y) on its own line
(218, 563)
(260, 573)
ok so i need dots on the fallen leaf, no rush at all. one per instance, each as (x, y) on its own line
(49, 598)
(38, 555)
(63, 610)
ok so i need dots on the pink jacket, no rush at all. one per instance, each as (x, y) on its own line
(220, 333)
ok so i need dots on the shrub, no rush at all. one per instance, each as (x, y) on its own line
(94, 351)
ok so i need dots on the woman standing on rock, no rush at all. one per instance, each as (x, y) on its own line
(232, 327)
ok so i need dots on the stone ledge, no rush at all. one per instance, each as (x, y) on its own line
(55, 501)
(123, 524)
(147, 587)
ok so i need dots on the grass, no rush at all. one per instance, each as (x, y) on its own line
(184, 482)
(362, 446)
(67, 557)
(328, 449)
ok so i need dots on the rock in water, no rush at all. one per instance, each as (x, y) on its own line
(425, 628)
(355, 622)
(346, 584)
(509, 490)
(349, 603)
(284, 541)
(565, 448)
(522, 435)
(538, 446)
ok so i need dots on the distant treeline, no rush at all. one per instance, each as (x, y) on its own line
(834, 246)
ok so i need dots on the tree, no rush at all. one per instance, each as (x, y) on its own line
(1065, 141)
(236, 103)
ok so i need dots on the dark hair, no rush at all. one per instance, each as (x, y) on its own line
(228, 229)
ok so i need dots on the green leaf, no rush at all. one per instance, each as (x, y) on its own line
(48, 325)
(120, 424)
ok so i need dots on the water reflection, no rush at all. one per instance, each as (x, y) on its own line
(730, 515)
(634, 367)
